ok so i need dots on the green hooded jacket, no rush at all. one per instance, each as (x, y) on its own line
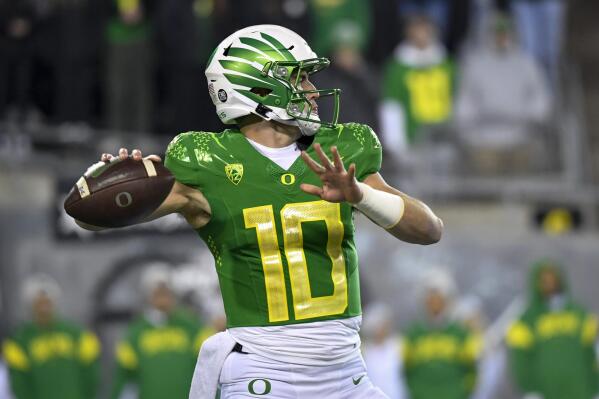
(552, 350)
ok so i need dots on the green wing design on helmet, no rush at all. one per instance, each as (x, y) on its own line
(260, 87)
(267, 48)
(287, 56)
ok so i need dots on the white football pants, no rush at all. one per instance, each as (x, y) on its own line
(253, 376)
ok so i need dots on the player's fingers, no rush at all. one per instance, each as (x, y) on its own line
(123, 153)
(351, 171)
(105, 157)
(136, 154)
(154, 158)
(311, 189)
(312, 164)
(326, 162)
(337, 160)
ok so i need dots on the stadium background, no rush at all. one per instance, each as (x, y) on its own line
(65, 63)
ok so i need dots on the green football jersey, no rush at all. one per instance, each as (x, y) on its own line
(282, 256)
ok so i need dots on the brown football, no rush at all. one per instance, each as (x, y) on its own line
(119, 193)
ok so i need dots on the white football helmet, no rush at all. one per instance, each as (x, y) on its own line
(257, 70)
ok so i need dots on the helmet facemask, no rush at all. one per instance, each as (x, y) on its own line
(299, 106)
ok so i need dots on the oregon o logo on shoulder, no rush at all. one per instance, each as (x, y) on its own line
(259, 387)
(123, 199)
(288, 179)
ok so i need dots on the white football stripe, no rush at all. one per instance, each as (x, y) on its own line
(82, 187)
(150, 169)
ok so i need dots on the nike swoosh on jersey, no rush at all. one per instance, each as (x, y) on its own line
(357, 381)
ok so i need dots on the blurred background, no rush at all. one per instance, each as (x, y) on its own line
(485, 109)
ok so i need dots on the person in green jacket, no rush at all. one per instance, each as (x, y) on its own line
(439, 355)
(159, 350)
(51, 358)
(417, 88)
(551, 345)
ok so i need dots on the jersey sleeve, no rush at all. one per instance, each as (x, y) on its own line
(520, 341)
(180, 160)
(366, 148)
(127, 360)
(89, 352)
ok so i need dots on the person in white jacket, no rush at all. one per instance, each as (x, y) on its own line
(502, 97)
(5, 392)
(382, 351)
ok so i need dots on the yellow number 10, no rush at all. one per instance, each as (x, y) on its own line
(292, 215)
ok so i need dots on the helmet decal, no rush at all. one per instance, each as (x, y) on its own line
(249, 76)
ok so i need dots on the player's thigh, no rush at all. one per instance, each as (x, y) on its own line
(354, 382)
(365, 389)
(247, 376)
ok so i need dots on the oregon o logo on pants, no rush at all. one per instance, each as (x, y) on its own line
(259, 386)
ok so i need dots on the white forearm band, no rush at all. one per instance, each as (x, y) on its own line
(385, 209)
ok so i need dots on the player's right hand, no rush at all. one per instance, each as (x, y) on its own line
(124, 154)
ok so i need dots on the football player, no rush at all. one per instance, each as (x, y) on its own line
(281, 228)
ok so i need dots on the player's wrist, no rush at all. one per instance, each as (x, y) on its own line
(357, 194)
(385, 209)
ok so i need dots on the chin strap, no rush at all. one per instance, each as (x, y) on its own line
(307, 128)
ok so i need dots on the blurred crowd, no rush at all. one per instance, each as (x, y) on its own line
(543, 347)
(479, 74)
(49, 356)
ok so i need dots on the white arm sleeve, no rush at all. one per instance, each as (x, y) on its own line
(385, 209)
(392, 118)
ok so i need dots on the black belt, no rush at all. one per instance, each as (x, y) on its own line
(239, 348)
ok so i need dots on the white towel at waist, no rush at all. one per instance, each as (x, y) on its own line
(212, 355)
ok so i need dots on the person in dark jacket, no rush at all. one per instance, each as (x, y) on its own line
(350, 72)
(129, 63)
(17, 24)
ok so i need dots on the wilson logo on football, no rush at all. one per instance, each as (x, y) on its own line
(234, 172)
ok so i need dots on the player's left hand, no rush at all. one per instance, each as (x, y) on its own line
(124, 154)
(338, 184)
